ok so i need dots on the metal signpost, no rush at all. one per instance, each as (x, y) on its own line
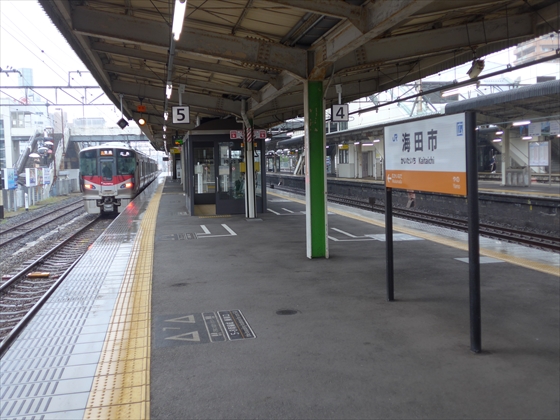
(436, 155)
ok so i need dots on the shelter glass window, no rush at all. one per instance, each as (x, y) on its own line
(343, 156)
(231, 171)
(88, 163)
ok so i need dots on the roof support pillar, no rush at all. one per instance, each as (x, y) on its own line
(315, 171)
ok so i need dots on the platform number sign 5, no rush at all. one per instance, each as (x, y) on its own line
(181, 115)
(339, 113)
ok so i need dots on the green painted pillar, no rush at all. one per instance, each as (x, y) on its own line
(315, 171)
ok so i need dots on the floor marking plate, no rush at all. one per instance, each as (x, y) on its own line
(201, 328)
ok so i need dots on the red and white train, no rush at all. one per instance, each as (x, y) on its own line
(112, 174)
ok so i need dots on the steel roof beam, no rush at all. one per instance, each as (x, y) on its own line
(269, 93)
(438, 41)
(253, 52)
(190, 81)
(208, 102)
(334, 8)
(183, 62)
(379, 18)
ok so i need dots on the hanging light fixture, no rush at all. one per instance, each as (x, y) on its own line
(178, 18)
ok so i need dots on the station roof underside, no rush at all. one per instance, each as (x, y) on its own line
(260, 52)
(537, 102)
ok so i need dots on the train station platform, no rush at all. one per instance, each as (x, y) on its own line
(170, 316)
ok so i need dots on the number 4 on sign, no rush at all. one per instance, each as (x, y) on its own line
(181, 115)
(339, 113)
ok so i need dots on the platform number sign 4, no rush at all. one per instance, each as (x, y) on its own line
(339, 113)
(181, 115)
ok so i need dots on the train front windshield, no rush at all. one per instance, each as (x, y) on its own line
(88, 163)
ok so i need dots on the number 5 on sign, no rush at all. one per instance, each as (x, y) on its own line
(181, 115)
(339, 113)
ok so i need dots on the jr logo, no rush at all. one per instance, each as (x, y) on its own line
(395, 138)
(460, 128)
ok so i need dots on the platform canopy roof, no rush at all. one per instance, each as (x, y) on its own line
(260, 52)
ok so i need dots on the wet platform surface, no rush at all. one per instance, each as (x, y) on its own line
(243, 325)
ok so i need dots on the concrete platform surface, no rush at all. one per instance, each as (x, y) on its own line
(328, 344)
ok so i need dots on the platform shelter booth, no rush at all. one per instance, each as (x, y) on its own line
(216, 164)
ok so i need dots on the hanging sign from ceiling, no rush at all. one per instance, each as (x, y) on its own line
(181, 115)
(340, 113)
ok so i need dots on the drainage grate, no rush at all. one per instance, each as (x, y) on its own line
(286, 312)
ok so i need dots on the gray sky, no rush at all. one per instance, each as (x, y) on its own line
(28, 39)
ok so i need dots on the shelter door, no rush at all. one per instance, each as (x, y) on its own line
(204, 181)
(230, 178)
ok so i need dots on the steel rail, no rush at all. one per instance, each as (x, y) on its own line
(22, 225)
(43, 257)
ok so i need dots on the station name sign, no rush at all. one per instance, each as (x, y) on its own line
(427, 155)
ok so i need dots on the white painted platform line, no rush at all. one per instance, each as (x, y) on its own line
(208, 234)
(373, 237)
(226, 227)
(345, 233)
(289, 211)
(275, 212)
(397, 237)
(483, 260)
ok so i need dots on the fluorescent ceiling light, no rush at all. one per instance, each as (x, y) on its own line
(165, 115)
(376, 141)
(518, 123)
(178, 18)
(164, 128)
(169, 90)
(367, 144)
(356, 142)
(499, 133)
(164, 136)
(527, 138)
(496, 140)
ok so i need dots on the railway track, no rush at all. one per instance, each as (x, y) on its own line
(13, 233)
(531, 239)
(25, 291)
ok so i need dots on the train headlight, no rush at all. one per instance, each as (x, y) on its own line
(89, 187)
(128, 185)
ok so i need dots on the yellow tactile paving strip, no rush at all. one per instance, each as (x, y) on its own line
(542, 267)
(121, 386)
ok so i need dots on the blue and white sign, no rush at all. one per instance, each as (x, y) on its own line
(10, 178)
